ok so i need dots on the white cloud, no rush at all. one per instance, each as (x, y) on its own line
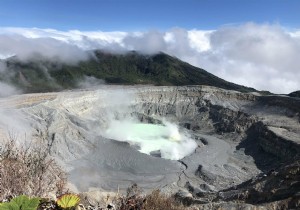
(51, 48)
(149, 42)
(265, 57)
(261, 56)
(199, 40)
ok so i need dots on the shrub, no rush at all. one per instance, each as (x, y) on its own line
(28, 170)
(159, 201)
(134, 200)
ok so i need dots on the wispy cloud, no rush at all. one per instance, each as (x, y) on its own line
(265, 57)
(27, 48)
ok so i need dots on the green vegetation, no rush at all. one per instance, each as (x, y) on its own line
(131, 68)
(21, 202)
(68, 201)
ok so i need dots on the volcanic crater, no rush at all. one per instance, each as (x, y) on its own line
(189, 140)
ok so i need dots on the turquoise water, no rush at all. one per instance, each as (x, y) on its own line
(152, 137)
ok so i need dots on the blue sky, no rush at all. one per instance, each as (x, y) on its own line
(130, 15)
(236, 40)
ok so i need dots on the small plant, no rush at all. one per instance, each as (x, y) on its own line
(68, 201)
(21, 202)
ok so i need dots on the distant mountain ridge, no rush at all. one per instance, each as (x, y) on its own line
(43, 75)
(295, 94)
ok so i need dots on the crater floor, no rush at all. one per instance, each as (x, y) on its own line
(228, 137)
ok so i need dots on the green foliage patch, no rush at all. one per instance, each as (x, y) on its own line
(21, 202)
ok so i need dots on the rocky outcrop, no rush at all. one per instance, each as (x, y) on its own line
(280, 184)
(277, 189)
(227, 121)
(272, 142)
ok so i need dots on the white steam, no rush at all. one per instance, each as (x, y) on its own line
(90, 82)
(14, 124)
(122, 124)
(7, 90)
(167, 139)
(262, 56)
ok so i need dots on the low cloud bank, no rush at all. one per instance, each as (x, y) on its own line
(261, 56)
(50, 48)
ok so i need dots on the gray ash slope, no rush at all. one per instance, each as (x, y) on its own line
(240, 136)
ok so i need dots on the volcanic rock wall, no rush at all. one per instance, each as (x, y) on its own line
(246, 125)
